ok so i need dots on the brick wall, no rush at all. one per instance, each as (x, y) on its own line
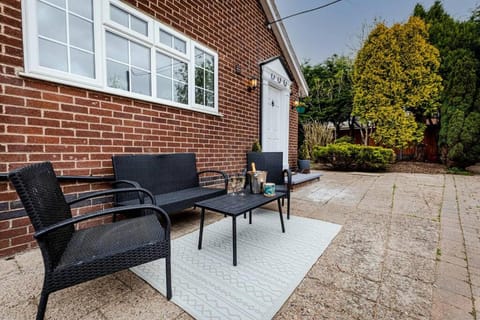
(78, 130)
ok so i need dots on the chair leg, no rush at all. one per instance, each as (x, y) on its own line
(288, 206)
(42, 305)
(168, 269)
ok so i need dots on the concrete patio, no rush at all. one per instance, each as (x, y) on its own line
(409, 249)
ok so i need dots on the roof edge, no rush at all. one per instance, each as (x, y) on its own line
(280, 33)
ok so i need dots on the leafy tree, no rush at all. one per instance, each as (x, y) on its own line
(396, 83)
(330, 84)
(459, 46)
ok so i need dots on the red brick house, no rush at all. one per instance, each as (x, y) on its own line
(82, 80)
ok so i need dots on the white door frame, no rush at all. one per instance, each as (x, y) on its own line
(275, 76)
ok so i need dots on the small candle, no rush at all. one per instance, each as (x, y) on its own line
(253, 167)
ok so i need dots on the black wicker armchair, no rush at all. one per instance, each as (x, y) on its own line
(73, 256)
(272, 162)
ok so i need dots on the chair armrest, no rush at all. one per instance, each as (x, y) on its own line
(225, 176)
(141, 191)
(77, 219)
(288, 172)
(134, 184)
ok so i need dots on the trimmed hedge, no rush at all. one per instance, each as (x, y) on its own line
(347, 156)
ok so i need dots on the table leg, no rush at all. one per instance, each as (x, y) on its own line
(234, 236)
(202, 219)
(281, 215)
(250, 217)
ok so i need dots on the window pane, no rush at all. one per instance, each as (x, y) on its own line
(140, 81)
(82, 63)
(164, 65)
(180, 71)
(180, 92)
(53, 55)
(60, 3)
(180, 45)
(199, 99)
(209, 62)
(139, 25)
(198, 57)
(117, 75)
(166, 38)
(51, 22)
(117, 47)
(140, 56)
(81, 33)
(199, 77)
(164, 88)
(83, 8)
(209, 83)
(119, 16)
(209, 99)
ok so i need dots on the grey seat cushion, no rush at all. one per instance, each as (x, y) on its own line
(181, 199)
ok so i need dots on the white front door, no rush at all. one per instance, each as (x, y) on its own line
(275, 108)
(275, 125)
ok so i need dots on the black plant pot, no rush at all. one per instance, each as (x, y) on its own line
(304, 166)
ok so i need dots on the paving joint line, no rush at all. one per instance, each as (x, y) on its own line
(473, 312)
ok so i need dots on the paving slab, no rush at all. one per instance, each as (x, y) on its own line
(410, 265)
(406, 295)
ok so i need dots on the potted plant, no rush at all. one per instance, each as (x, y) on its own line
(256, 146)
(304, 158)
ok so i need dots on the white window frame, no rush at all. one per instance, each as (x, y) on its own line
(215, 74)
(102, 24)
(30, 49)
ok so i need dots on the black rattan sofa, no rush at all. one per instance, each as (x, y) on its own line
(172, 178)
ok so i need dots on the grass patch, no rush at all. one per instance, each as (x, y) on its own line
(459, 171)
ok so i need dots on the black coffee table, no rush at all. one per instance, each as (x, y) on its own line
(234, 206)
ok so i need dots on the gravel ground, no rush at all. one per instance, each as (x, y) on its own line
(418, 167)
(403, 166)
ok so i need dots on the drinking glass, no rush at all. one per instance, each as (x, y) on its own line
(241, 184)
(232, 183)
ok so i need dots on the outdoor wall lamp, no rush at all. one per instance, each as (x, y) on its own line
(295, 104)
(252, 84)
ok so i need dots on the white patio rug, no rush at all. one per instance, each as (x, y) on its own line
(271, 264)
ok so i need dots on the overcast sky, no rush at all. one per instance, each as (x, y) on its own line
(336, 29)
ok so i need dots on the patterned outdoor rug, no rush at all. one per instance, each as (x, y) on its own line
(271, 264)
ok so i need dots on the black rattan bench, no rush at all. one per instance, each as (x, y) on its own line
(172, 178)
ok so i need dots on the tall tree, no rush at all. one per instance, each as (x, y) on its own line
(396, 83)
(459, 46)
(330, 84)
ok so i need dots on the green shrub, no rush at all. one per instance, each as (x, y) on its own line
(346, 139)
(347, 156)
